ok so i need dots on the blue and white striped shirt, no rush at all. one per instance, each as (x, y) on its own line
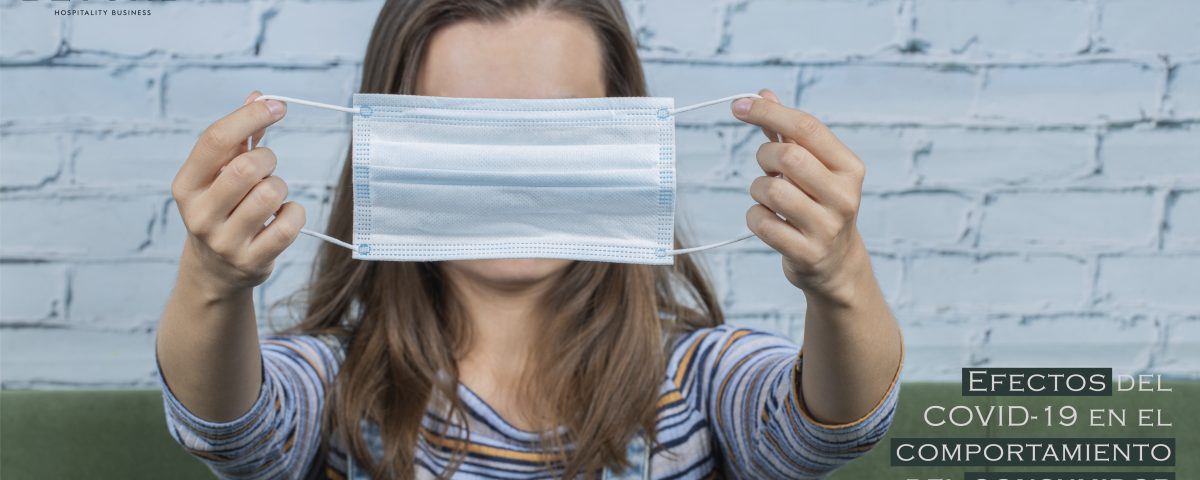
(729, 406)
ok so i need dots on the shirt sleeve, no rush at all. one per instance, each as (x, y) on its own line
(280, 435)
(748, 385)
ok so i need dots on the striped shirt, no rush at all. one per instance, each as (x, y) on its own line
(729, 406)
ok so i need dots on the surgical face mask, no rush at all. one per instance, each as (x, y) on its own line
(439, 178)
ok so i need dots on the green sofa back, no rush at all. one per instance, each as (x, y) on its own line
(122, 434)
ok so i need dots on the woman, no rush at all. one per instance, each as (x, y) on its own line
(525, 368)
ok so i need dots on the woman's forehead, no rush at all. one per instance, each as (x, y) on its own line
(532, 55)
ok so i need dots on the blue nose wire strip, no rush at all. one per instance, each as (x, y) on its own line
(672, 111)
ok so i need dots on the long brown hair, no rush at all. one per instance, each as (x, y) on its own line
(600, 361)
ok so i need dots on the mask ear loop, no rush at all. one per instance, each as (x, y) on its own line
(250, 146)
(778, 138)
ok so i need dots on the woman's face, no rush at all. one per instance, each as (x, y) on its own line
(534, 55)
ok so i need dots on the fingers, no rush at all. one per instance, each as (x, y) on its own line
(235, 181)
(800, 127)
(283, 230)
(801, 167)
(224, 139)
(260, 203)
(797, 208)
(777, 233)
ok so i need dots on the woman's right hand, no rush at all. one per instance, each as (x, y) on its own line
(225, 194)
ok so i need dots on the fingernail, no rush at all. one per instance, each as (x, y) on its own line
(742, 106)
(275, 107)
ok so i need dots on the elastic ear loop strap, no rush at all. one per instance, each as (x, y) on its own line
(250, 146)
(352, 110)
(709, 103)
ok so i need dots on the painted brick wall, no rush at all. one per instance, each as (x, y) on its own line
(1032, 197)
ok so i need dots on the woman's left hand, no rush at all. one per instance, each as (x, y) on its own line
(814, 182)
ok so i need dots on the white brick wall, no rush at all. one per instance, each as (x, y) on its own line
(1033, 165)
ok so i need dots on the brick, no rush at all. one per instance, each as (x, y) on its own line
(1046, 27)
(708, 216)
(1149, 281)
(760, 286)
(1183, 220)
(1184, 98)
(701, 155)
(84, 171)
(31, 292)
(121, 295)
(30, 160)
(920, 217)
(996, 282)
(75, 225)
(743, 166)
(320, 29)
(1171, 26)
(632, 13)
(167, 232)
(70, 93)
(1072, 93)
(888, 93)
(29, 30)
(148, 160)
(682, 26)
(1181, 355)
(176, 27)
(1070, 218)
(206, 94)
(1096, 340)
(957, 157)
(885, 152)
(58, 357)
(308, 157)
(1159, 154)
(887, 273)
(935, 350)
(678, 80)
(787, 27)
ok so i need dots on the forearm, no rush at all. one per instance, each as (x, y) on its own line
(208, 346)
(852, 345)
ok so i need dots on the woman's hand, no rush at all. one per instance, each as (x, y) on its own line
(226, 194)
(814, 182)
(852, 345)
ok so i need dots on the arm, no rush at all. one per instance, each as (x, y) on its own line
(749, 385)
(279, 436)
(246, 411)
(207, 346)
(814, 182)
(207, 341)
(852, 349)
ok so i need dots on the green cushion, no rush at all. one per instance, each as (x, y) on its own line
(122, 434)
(89, 434)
